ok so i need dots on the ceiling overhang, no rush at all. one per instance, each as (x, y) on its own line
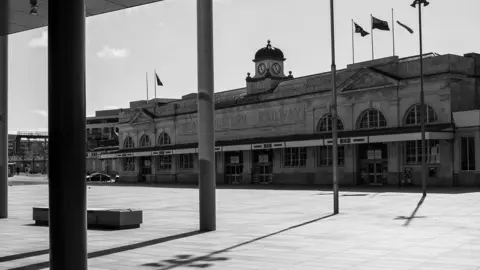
(20, 19)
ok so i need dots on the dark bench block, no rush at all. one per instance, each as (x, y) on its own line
(116, 219)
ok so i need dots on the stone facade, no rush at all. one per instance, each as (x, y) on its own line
(279, 132)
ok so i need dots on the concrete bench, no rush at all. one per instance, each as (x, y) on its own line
(116, 219)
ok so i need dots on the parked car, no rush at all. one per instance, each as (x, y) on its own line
(100, 177)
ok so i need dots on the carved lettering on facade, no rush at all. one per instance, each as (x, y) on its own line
(231, 121)
(280, 116)
(248, 119)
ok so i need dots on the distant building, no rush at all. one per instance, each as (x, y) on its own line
(277, 129)
(102, 138)
(28, 151)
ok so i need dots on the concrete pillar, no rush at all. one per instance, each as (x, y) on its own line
(4, 10)
(206, 115)
(66, 126)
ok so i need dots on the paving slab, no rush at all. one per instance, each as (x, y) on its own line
(263, 229)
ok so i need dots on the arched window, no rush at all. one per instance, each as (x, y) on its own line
(325, 123)
(372, 118)
(145, 141)
(413, 115)
(164, 139)
(128, 143)
(164, 163)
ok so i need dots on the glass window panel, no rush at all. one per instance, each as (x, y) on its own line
(325, 124)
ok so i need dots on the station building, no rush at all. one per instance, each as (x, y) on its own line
(277, 129)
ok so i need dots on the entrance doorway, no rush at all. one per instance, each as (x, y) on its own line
(146, 167)
(233, 167)
(374, 163)
(262, 169)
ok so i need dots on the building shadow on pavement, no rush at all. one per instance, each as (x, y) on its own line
(412, 216)
(326, 188)
(207, 260)
(95, 254)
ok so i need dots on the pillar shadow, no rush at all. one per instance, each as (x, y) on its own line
(412, 216)
(205, 261)
(95, 254)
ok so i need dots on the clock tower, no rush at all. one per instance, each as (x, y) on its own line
(269, 64)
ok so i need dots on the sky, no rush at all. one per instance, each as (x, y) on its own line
(121, 47)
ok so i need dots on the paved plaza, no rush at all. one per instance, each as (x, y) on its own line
(263, 229)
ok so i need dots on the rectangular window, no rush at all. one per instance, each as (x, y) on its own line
(164, 163)
(128, 164)
(324, 155)
(295, 157)
(413, 152)
(185, 161)
(467, 153)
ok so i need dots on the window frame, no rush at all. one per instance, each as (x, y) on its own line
(145, 141)
(295, 157)
(414, 113)
(325, 123)
(128, 143)
(128, 164)
(413, 151)
(186, 161)
(163, 162)
(467, 143)
(366, 117)
(324, 156)
(164, 139)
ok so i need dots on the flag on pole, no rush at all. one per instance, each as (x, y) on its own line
(359, 29)
(406, 27)
(424, 2)
(379, 24)
(146, 77)
(158, 79)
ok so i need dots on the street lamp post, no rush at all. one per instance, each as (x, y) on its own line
(422, 95)
(334, 115)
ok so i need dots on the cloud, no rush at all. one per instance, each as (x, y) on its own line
(40, 42)
(108, 52)
(41, 113)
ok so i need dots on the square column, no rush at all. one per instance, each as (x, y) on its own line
(4, 10)
(67, 137)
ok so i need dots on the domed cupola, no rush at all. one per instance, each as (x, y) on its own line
(269, 62)
(269, 53)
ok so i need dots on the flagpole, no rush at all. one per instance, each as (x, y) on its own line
(154, 122)
(393, 34)
(146, 77)
(353, 42)
(423, 111)
(155, 84)
(371, 31)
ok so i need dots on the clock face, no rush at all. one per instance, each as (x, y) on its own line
(261, 69)
(276, 68)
